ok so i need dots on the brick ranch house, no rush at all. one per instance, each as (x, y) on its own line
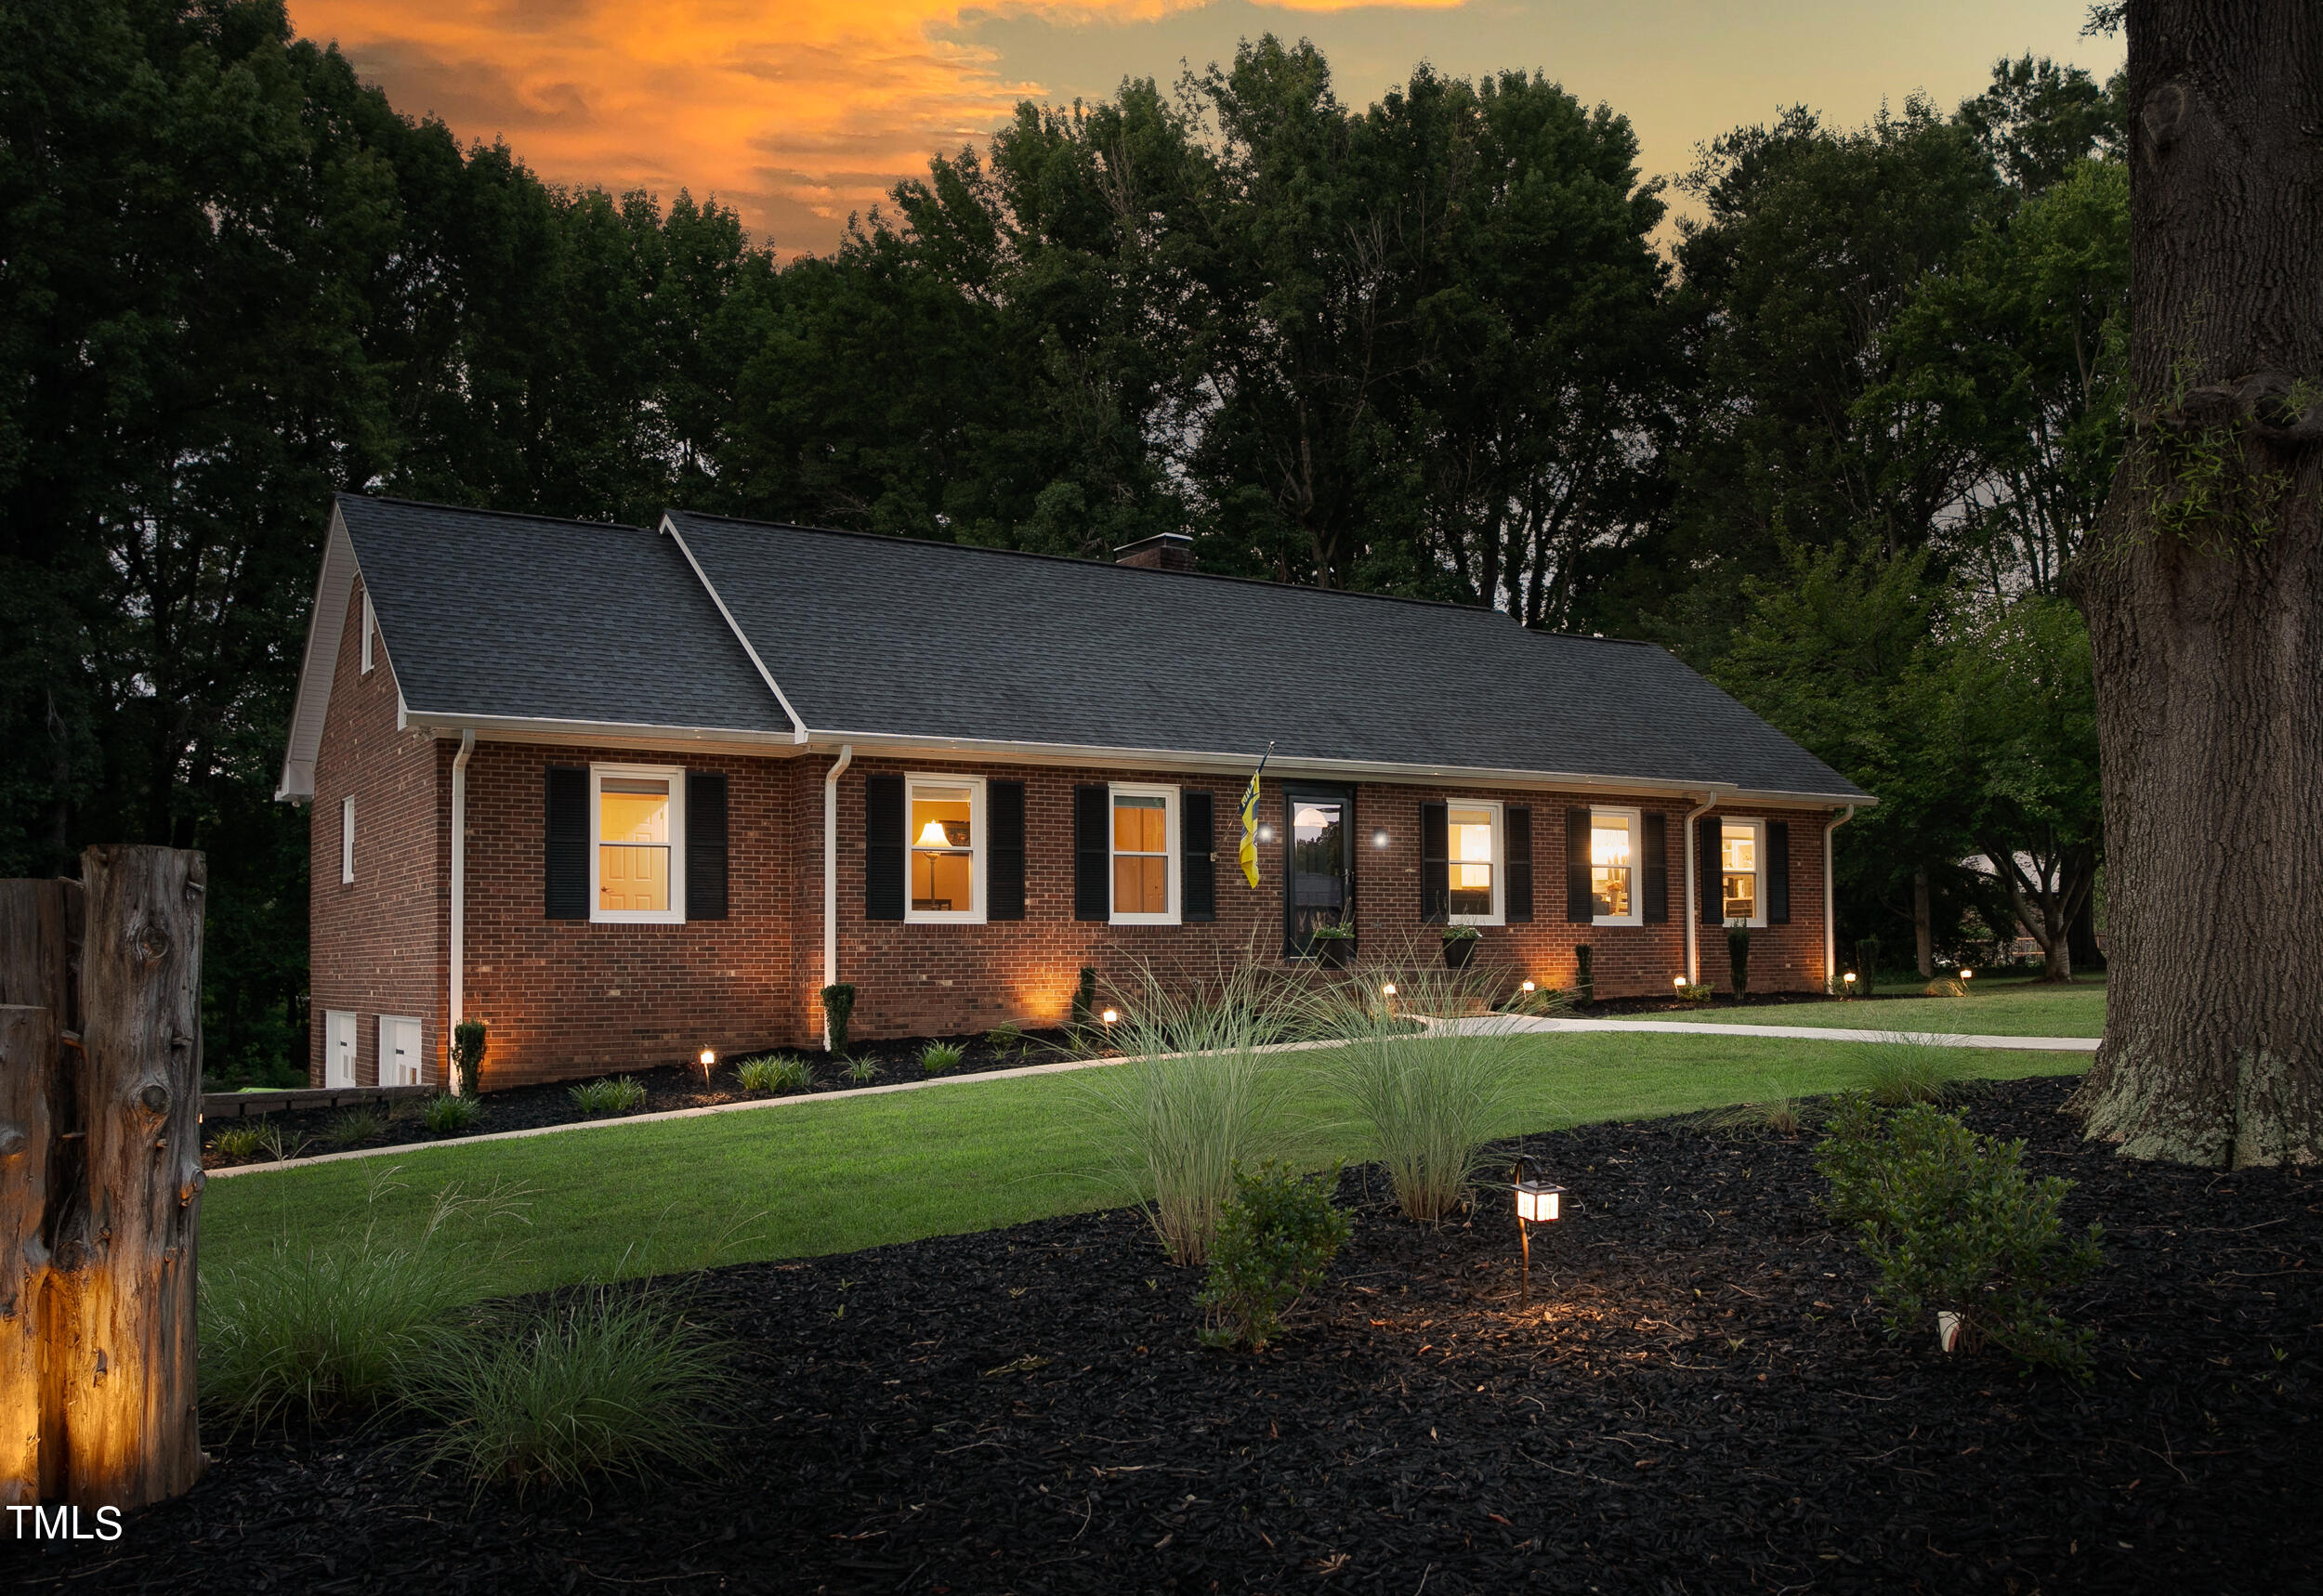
(625, 794)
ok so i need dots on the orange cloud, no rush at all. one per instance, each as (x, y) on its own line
(795, 113)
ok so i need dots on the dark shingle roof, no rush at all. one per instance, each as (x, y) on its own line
(871, 634)
(490, 614)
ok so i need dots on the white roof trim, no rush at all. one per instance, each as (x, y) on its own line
(669, 529)
(625, 734)
(313, 702)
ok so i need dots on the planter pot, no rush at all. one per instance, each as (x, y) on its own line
(1458, 951)
(1332, 952)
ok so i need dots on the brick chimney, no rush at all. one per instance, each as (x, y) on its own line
(1164, 551)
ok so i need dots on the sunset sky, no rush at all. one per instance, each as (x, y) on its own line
(798, 112)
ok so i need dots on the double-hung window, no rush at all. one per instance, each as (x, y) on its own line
(1474, 852)
(944, 831)
(1740, 849)
(1614, 845)
(1145, 856)
(638, 837)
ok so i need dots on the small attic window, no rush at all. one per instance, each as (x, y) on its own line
(369, 622)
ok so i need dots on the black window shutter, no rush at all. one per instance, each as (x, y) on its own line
(1004, 851)
(1707, 878)
(1777, 873)
(1516, 898)
(1093, 853)
(1435, 863)
(1657, 885)
(1580, 908)
(705, 845)
(567, 872)
(883, 848)
(1197, 855)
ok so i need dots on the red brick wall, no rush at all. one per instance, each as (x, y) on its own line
(572, 997)
(375, 945)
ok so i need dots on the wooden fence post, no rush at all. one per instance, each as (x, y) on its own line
(130, 1431)
(40, 1160)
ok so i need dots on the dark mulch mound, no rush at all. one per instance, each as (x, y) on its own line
(1700, 1399)
(528, 1107)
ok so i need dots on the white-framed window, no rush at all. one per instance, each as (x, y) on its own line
(1475, 856)
(1616, 847)
(1742, 872)
(338, 1047)
(347, 840)
(943, 830)
(369, 623)
(637, 837)
(1145, 854)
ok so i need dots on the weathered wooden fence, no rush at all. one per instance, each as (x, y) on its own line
(101, 1179)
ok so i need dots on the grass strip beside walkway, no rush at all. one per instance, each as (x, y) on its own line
(621, 1200)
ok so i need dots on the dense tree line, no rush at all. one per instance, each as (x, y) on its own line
(1834, 447)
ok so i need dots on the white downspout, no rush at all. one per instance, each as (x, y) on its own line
(1693, 913)
(459, 896)
(830, 877)
(1830, 919)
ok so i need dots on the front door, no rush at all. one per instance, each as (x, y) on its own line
(1318, 879)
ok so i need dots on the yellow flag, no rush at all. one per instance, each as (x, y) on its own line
(1249, 852)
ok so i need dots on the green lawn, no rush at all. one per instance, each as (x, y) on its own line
(2010, 1006)
(823, 1177)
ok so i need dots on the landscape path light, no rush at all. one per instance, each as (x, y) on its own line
(1848, 980)
(1539, 1201)
(1678, 983)
(709, 1062)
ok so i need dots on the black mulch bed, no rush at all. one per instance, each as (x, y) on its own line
(528, 1107)
(1698, 1400)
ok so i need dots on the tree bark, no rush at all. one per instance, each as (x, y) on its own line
(2203, 590)
(40, 1159)
(127, 1350)
(1922, 924)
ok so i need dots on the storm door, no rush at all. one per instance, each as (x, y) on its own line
(1318, 873)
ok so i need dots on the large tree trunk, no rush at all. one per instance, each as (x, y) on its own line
(2203, 588)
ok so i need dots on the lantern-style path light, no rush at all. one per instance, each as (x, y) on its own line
(1539, 1201)
(709, 1062)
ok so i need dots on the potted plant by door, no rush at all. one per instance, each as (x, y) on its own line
(1334, 946)
(1459, 946)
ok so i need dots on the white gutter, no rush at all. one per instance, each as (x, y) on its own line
(830, 878)
(1830, 920)
(798, 727)
(459, 894)
(1693, 914)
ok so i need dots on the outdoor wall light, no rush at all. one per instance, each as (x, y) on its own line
(1539, 1201)
(1380, 838)
(1266, 830)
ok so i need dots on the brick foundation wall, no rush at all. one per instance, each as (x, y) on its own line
(565, 999)
(376, 944)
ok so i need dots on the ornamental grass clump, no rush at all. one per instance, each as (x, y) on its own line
(1952, 1224)
(1191, 1101)
(776, 1072)
(1920, 1068)
(611, 1384)
(1275, 1241)
(1431, 1096)
(239, 1142)
(862, 1071)
(354, 1128)
(298, 1332)
(616, 1095)
(451, 1116)
(939, 1058)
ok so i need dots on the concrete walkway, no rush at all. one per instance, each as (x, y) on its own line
(1501, 1024)
(1490, 1025)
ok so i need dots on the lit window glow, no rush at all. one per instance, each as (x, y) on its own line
(1609, 865)
(1738, 870)
(943, 850)
(632, 844)
(1468, 838)
(1141, 854)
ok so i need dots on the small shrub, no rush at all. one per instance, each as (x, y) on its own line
(776, 1072)
(467, 1056)
(1274, 1240)
(1085, 999)
(1699, 993)
(243, 1141)
(355, 1128)
(1946, 986)
(1868, 961)
(862, 1071)
(449, 1115)
(1005, 1037)
(1738, 957)
(939, 1058)
(838, 1008)
(612, 1384)
(1949, 1222)
(618, 1094)
(1585, 979)
(1916, 1070)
